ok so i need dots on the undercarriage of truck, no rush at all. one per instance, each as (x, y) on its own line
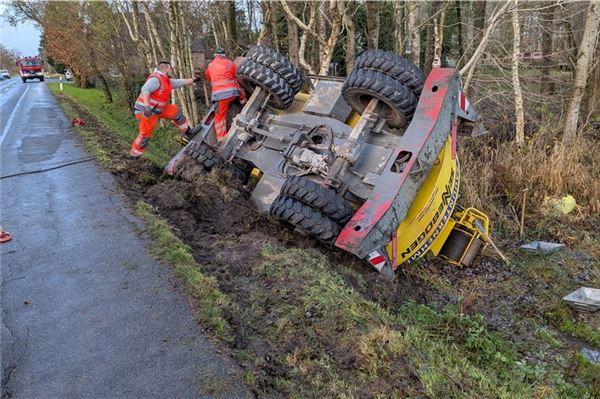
(365, 163)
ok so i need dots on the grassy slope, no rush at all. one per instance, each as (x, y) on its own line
(352, 346)
(122, 124)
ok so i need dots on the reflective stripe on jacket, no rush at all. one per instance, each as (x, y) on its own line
(158, 98)
(221, 75)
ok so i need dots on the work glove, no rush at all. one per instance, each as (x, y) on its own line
(197, 78)
(147, 111)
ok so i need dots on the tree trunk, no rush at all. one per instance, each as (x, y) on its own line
(519, 115)
(335, 16)
(326, 44)
(429, 39)
(273, 22)
(546, 83)
(293, 45)
(141, 46)
(188, 64)
(265, 37)
(213, 26)
(412, 10)
(584, 60)
(460, 32)
(251, 23)
(322, 29)
(373, 24)
(399, 27)
(350, 52)
(592, 104)
(231, 26)
(153, 30)
(105, 88)
(152, 43)
(438, 38)
(175, 56)
(478, 20)
(304, 38)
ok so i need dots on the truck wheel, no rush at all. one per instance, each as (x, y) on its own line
(304, 218)
(196, 160)
(202, 154)
(251, 74)
(24, 80)
(326, 201)
(42, 79)
(395, 66)
(397, 102)
(277, 63)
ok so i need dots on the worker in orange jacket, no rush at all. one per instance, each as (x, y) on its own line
(221, 73)
(153, 103)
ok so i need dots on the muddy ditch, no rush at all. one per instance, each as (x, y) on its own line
(227, 234)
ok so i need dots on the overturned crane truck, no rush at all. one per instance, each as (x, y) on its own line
(367, 163)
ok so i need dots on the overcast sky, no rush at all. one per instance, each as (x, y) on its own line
(23, 37)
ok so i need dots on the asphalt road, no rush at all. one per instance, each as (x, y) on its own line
(86, 311)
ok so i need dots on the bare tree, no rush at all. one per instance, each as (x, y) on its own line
(326, 41)
(348, 21)
(25, 10)
(438, 37)
(231, 26)
(584, 60)
(412, 10)
(399, 27)
(460, 30)
(519, 114)
(373, 23)
(265, 37)
(497, 15)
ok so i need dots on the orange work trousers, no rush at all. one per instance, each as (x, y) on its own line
(221, 118)
(147, 125)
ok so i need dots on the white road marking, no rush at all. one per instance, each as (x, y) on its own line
(11, 118)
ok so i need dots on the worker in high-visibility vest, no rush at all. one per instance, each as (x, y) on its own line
(221, 73)
(153, 103)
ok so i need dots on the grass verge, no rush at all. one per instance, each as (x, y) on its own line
(121, 125)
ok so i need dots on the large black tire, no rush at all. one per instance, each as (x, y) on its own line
(202, 154)
(251, 74)
(327, 201)
(395, 66)
(24, 80)
(41, 79)
(197, 160)
(398, 100)
(304, 218)
(277, 63)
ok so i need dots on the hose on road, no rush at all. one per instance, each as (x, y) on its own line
(48, 169)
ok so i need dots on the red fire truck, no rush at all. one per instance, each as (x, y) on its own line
(31, 68)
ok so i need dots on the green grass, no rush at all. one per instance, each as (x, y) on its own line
(445, 353)
(121, 122)
(561, 317)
